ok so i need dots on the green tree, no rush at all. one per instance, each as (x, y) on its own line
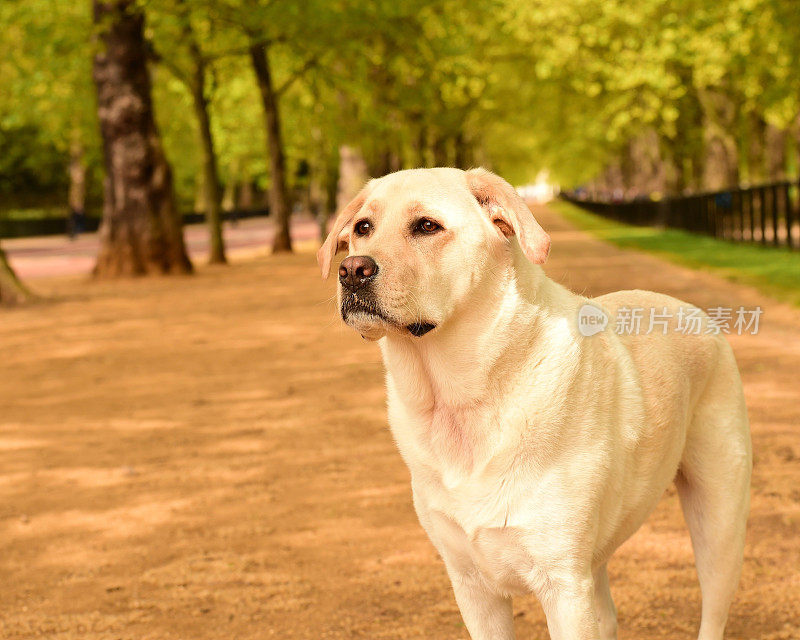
(286, 34)
(180, 27)
(45, 64)
(141, 230)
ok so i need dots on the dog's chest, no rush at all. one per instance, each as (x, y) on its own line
(498, 551)
(502, 557)
(464, 483)
(453, 431)
(470, 519)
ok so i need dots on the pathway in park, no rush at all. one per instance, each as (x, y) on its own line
(181, 458)
(43, 256)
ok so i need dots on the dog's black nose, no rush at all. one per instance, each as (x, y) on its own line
(356, 271)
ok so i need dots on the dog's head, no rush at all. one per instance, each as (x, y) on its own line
(420, 242)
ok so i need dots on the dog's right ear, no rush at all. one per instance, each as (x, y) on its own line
(336, 240)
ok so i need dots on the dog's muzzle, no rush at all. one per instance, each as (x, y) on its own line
(356, 273)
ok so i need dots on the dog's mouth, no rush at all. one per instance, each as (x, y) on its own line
(353, 304)
(419, 329)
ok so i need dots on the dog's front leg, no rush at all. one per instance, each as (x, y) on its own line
(486, 613)
(568, 604)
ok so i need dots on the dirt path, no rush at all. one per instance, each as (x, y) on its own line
(207, 457)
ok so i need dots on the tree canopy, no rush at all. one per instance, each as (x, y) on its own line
(657, 95)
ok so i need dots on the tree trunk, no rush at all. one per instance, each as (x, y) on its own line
(612, 182)
(430, 148)
(387, 162)
(673, 175)
(229, 193)
(688, 146)
(76, 198)
(141, 230)
(775, 152)
(720, 171)
(246, 198)
(463, 152)
(796, 146)
(755, 149)
(278, 193)
(440, 154)
(199, 194)
(12, 291)
(331, 184)
(645, 166)
(420, 145)
(352, 175)
(721, 115)
(318, 187)
(212, 192)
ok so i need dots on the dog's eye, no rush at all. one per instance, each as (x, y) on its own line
(426, 226)
(363, 228)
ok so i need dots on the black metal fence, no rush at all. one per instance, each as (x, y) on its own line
(767, 214)
(10, 228)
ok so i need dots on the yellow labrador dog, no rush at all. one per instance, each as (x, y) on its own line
(536, 450)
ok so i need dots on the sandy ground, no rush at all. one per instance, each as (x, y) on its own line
(207, 457)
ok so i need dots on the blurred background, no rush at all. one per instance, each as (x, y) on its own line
(260, 106)
(175, 460)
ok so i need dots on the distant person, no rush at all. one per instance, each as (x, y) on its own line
(75, 222)
(724, 200)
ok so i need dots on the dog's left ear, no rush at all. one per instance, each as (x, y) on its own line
(336, 240)
(509, 213)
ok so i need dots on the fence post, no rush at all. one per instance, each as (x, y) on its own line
(715, 218)
(700, 220)
(728, 215)
(687, 209)
(783, 187)
(792, 214)
(792, 207)
(730, 218)
(775, 211)
(740, 218)
(699, 225)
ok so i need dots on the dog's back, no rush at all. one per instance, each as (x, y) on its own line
(693, 393)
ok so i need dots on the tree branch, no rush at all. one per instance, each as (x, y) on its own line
(242, 51)
(154, 56)
(310, 63)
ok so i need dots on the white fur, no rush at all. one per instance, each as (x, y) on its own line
(535, 451)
